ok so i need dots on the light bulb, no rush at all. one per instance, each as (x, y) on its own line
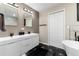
(31, 12)
(28, 10)
(16, 5)
(25, 9)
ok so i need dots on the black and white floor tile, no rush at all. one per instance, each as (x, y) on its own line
(43, 50)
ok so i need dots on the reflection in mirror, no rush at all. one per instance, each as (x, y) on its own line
(28, 19)
(10, 14)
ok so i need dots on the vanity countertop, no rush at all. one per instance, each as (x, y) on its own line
(8, 40)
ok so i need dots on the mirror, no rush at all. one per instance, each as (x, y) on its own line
(28, 19)
(10, 14)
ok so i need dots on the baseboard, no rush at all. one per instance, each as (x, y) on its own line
(44, 43)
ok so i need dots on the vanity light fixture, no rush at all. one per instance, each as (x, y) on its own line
(14, 4)
(27, 10)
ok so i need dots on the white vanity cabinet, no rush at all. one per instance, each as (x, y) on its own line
(19, 46)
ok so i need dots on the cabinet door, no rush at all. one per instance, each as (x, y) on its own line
(2, 50)
(13, 49)
(34, 41)
(24, 46)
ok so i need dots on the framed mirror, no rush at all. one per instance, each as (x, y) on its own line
(10, 14)
(28, 19)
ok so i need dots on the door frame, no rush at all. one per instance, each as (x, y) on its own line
(56, 11)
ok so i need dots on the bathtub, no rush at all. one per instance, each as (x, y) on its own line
(71, 47)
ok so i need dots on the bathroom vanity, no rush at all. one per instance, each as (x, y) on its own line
(18, 45)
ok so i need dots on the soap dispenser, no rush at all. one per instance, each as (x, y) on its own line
(11, 34)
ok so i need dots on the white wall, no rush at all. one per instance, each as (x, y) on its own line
(70, 20)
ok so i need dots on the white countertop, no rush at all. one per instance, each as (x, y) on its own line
(7, 40)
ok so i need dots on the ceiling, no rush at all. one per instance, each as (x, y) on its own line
(41, 6)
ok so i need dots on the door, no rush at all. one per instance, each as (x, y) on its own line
(56, 28)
